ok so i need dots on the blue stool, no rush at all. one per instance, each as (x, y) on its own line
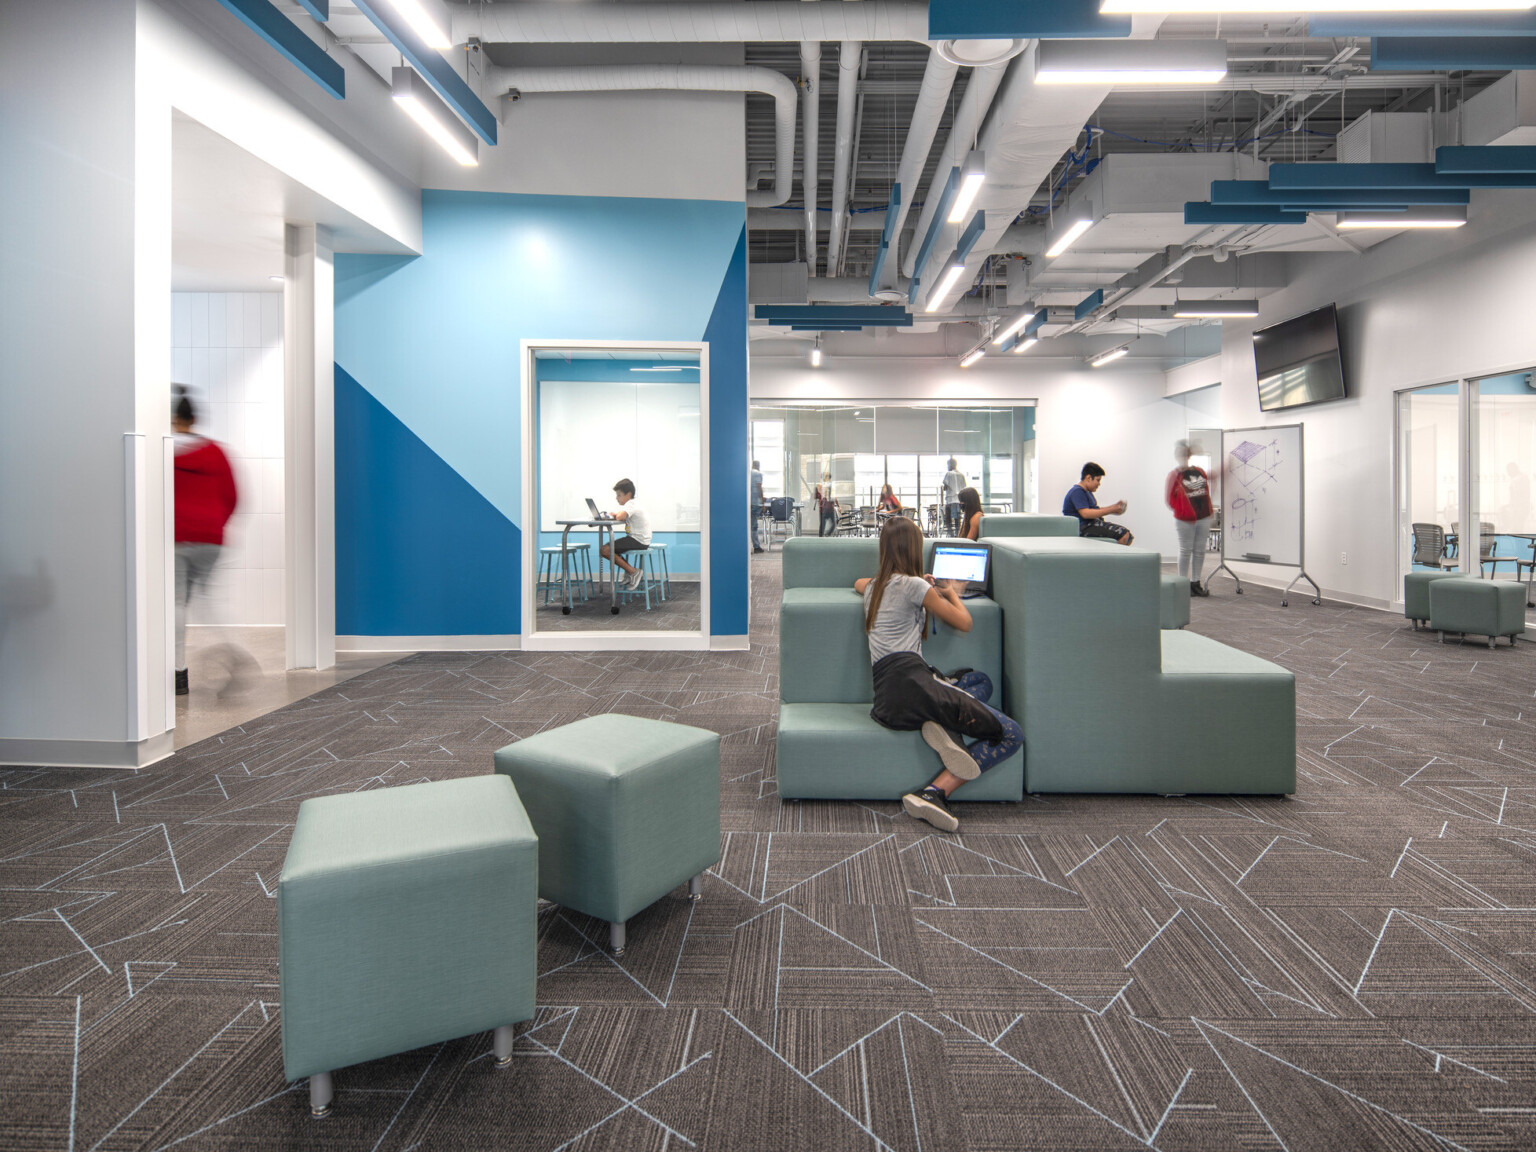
(644, 559)
(551, 570)
(660, 552)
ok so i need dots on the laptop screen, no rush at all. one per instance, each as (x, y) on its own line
(958, 562)
(592, 507)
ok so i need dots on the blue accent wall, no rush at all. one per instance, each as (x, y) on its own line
(434, 343)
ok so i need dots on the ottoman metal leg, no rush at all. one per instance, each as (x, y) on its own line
(320, 1094)
(616, 937)
(696, 887)
(501, 1044)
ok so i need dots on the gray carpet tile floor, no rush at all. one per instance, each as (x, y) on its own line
(1354, 967)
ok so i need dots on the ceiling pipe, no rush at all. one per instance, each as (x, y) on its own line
(973, 109)
(679, 78)
(810, 135)
(684, 23)
(938, 79)
(848, 55)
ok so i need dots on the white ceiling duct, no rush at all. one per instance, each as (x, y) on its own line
(810, 133)
(938, 79)
(849, 53)
(678, 78)
(770, 20)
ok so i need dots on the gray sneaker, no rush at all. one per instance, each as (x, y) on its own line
(635, 579)
(929, 805)
(950, 751)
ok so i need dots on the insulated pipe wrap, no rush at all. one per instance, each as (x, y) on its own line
(938, 79)
(678, 78)
(810, 131)
(768, 20)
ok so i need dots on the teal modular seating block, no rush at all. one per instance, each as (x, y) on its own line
(1475, 607)
(1027, 524)
(1173, 602)
(1416, 594)
(837, 561)
(1109, 702)
(837, 752)
(626, 810)
(406, 916)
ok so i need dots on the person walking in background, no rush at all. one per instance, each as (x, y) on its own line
(949, 491)
(205, 500)
(1082, 503)
(755, 503)
(826, 511)
(1188, 493)
(898, 601)
(970, 514)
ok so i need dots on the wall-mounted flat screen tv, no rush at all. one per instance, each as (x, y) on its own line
(1298, 361)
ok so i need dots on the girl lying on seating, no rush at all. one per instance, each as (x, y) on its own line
(898, 603)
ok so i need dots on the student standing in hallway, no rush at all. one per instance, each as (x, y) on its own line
(1189, 495)
(949, 491)
(755, 499)
(205, 500)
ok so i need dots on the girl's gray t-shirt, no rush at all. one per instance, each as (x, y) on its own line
(898, 626)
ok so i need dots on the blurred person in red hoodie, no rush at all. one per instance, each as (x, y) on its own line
(205, 500)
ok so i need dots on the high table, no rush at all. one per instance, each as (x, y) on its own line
(604, 528)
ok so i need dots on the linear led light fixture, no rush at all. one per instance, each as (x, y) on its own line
(1214, 309)
(422, 105)
(414, 13)
(1017, 325)
(1026, 343)
(972, 175)
(1109, 357)
(1256, 7)
(1130, 61)
(1422, 216)
(1069, 237)
(973, 355)
(951, 274)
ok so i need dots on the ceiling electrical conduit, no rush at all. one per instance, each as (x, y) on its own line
(962, 136)
(678, 78)
(848, 55)
(765, 20)
(810, 133)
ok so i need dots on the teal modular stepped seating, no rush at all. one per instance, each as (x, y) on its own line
(1172, 602)
(1075, 626)
(1027, 524)
(1475, 607)
(406, 916)
(828, 747)
(626, 810)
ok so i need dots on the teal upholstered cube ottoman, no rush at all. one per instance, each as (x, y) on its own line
(406, 916)
(1173, 602)
(1416, 593)
(626, 810)
(1476, 607)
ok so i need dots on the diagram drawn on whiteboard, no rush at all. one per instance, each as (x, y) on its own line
(1252, 469)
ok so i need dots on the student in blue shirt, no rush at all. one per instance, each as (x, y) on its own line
(1082, 503)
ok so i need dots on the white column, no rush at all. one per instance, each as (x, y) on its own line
(309, 489)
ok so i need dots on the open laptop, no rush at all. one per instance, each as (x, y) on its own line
(970, 563)
(596, 515)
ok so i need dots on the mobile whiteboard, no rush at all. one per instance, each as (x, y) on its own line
(1262, 499)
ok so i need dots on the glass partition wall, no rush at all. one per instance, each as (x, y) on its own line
(860, 448)
(1429, 477)
(1503, 446)
(600, 416)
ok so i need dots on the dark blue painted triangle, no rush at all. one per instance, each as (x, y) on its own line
(728, 515)
(419, 552)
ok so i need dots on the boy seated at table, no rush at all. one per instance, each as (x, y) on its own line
(638, 526)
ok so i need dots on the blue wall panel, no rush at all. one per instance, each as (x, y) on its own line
(400, 510)
(435, 340)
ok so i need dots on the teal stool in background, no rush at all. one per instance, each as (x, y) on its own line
(1416, 594)
(660, 552)
(645, 559)
(552, 571)
(626, 809)
(406, 916)
(1474, 607)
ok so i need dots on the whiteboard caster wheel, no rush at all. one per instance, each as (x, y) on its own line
(614, 610)
(1317, 601)
(1239, 591)
(565, 611)
(1285, 603)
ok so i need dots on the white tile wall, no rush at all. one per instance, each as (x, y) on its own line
(227, 347)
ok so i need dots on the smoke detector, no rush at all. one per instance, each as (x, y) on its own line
(979, 53)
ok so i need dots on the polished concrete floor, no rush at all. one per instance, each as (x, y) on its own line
(238, 674)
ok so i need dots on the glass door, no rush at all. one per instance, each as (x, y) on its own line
(1503, 462)
(1429, 478)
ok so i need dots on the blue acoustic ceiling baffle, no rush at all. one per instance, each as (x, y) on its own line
(855, 315)
(280, 32)
(825, 327)
(885, 238)
(433, 68)
(1200, 212)
(972, 233)
(319, 9)
(1024, 19)
(1330, 200)
(1088, 303)
(1388, 177)
(935, 226)
(1456, 53)
(1423, 23)
(1461, 160)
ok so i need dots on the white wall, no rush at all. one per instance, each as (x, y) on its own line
(227, 347)
(1120, 420)
(1418, 309)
